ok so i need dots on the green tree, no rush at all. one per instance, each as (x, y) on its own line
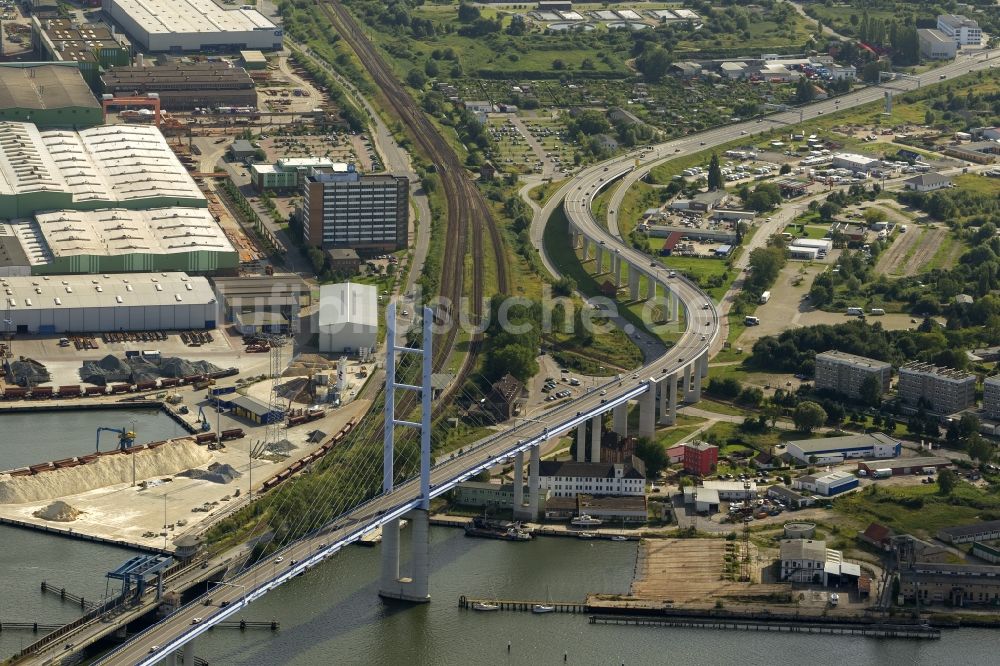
(870, 391)
(804, 91)
(808, 416)
(979, 448)
(715, 179)
(653, 454)
(785, 169)
(874, 215)
(946, 481)
(654, 63)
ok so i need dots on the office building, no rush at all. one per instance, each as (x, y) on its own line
(845, 373)
(291, 172)
(569, 478)
(936, 45)
(964, 31)
(180, 26)
(942, 390)
(348, 317)
(364, 212)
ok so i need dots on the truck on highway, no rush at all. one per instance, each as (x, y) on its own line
(765, 297)
(883, 473)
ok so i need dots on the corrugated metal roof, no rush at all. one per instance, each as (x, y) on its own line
(94, 291)
(187, 16)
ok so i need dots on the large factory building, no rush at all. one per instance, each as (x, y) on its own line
(179, 26)
(48, 94)
(119, 240)
(184, 86)
(114, 166)
(124, 302)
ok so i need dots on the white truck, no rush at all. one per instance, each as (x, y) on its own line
(855, 311)
(765, 297)
(883, 473)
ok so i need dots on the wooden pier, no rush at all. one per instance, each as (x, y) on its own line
(67, 596)
(876, 630)
(521, 605)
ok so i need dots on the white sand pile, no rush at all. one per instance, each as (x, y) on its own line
(58, 511)
(110, 470)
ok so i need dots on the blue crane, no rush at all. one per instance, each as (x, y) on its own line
(203, 420)
(126, 438)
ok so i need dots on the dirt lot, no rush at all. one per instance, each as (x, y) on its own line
(910, 251)
(690, 572)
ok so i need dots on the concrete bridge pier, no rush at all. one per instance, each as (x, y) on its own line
(633, 284)
(413, 588)
(187, 655)
(518, 481)
(668, 400)
(171, 659)
(598, 259)
(595, 438)
(581, 442)
(533, 482)
(688, 382)
(650, 289)
(620, 420)
(586, 247)
(647, 411)
(616, 266)
(703, 363)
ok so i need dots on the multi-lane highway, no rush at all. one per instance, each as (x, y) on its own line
(701, 328)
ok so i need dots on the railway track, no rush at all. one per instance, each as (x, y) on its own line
(468, 213)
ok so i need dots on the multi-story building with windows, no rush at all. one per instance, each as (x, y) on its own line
(963, 30)
(991, 397)
(568, 479)
(363, 212)
(943, 390)
(845, 373)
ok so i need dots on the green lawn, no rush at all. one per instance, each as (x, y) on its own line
(978, 184)
(710, 405)
(683, 428)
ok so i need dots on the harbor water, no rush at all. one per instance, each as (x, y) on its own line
(332, 614)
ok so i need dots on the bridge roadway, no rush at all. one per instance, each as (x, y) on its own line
(701, 330)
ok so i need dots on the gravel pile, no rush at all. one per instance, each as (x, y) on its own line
(112, 369)
(216, 473)
(29, 371)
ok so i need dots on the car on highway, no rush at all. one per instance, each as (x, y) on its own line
(195, 620)
(279, 560)
(672, 274)
(153, 648)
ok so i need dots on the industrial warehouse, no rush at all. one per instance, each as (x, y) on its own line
(184, 86)
(47, 94)
(126, 166)
(348, 317)
(90, 47)
(124, 302)
(193, 25)
(120, 240)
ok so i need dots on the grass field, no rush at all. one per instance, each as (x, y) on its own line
(919, 510)
(977, 184)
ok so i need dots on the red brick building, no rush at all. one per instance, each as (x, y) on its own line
(697, 457)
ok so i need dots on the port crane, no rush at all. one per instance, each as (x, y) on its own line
(126, 438)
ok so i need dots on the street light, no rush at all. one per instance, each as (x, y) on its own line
(243, 601)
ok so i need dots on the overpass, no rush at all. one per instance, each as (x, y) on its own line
(657, 387)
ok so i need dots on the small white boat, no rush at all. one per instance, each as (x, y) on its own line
(834, 599)
(543, 608)
(586, 535)
(584, 520)
(483, 606)
(619, 537)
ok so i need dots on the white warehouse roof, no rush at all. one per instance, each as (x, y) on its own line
(119, 231)
(107, 291)
(187, 16)
(346, 304)
(107, 163)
